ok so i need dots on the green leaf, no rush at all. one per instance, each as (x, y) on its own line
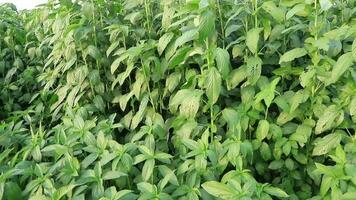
(145, 187)
(206, 25)
(188, 101)
(212, 84)
(140, 114)
(348, 196)
(353, 106)
(276, 164)
(147, 169)
(112, 47)
(187, 36)
(12, 191)
(262, 130)
(326, 144)
(325, 5)
(122, 193)
(275, 191)
(172, 81)
(178, 57)
(276, 12)
(89, 160)
(94, 52)
(164, 41)
(252, 37)
(353, 49)
(302, 134)
(297, 8)
(222, 58)
(330, 118)
(219, 190)
(191, 144)
(299, 97)
(342, 64)
(63, 191)
(267, 93)
(254, 68)
(165, 171)
(325, 185)
(117, 62)
(113, 175)
(236, 76)
(292, 54)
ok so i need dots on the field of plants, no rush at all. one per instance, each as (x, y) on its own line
(178, 99)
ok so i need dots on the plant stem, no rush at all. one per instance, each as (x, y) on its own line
(255, 9)
(148, 20)
(210, 63)
(148, 86)
(221, 23)
(316, 19)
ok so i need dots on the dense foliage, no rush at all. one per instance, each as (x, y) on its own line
(178, 99)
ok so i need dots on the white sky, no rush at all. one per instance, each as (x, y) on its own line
(24, 4)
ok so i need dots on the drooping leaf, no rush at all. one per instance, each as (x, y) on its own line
(267, 94)
(218, 189)
(275, 191)
(262, 130)
(276, 12)
(252, 38)
(297, 8)
(343, 63)
(147, 169)
(212, 85)
(331, 117)
(326, 144)
(253, 69)
(325, 4)
(222, 58)
(163, 42)
(353, 48)
(187, 36)
(292, 54)
(206, 24)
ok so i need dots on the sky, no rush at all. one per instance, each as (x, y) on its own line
(24, 4)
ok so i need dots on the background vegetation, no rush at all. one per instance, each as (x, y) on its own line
(178, 99)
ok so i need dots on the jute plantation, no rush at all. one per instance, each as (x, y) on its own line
(178, 99)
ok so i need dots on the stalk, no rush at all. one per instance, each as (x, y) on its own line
(148, 20)
(316, 19)
(94, 35)
(221, 23)
(255, 10)
(148, 87)
(210, 62)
